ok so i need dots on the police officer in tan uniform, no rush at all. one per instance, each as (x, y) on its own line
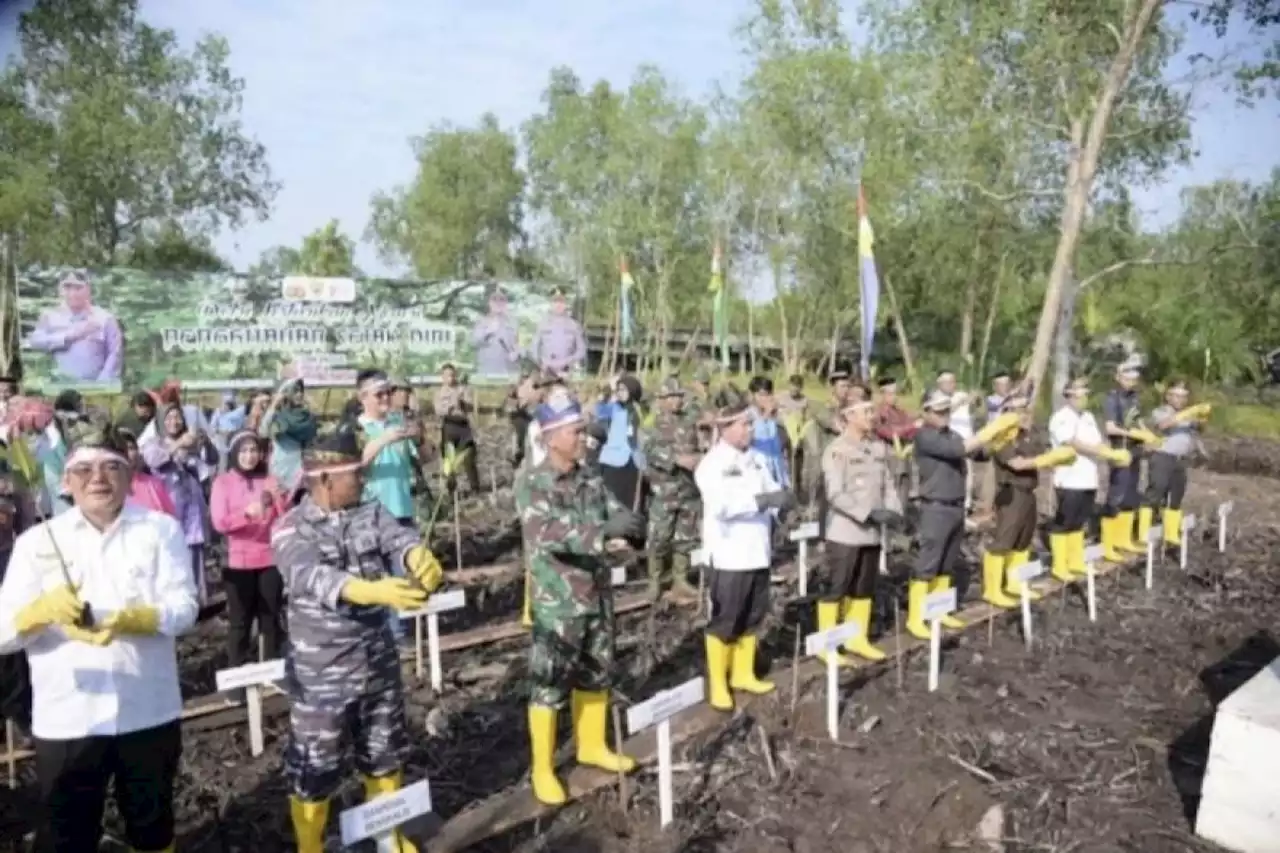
(861, 502)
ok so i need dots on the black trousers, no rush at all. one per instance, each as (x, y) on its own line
(1075, 509)
(940, 533)
(254, 594)
(739, 602)
(520, 428)
(851, 571)
(1122, 488)
(460, 436)
(15, 676)
(1166, 481)
(73, 776)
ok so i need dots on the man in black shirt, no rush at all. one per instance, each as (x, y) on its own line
(1122, 416)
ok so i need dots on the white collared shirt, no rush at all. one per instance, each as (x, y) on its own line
(736, 535)
(1068, 425)
(961, 415)
(79, 690)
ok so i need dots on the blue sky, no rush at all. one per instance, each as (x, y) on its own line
(335, 88)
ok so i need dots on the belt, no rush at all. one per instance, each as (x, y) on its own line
(959, 502)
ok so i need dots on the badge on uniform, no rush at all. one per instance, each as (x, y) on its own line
(733, 471)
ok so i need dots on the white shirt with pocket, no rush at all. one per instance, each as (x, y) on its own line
(79, 690)
(1068, 425)
(736, 535)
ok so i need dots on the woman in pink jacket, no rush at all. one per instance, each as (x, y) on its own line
(244, 504)
(147, 490)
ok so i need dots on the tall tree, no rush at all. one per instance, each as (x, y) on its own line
(327, 252)
(126, 131)
(460, 216)
(167, 248)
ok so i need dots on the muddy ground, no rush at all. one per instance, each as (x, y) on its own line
(1093, 742)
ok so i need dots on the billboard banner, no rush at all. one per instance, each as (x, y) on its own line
(110, 329)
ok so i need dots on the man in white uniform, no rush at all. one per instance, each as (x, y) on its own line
(96, 597)
(740, 501)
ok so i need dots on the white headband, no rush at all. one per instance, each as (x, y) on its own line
(335, 469)
(93, 454)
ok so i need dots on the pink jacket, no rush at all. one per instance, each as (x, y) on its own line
(149, 491)
(248, 539)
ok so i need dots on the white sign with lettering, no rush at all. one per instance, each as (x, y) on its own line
(440, 602)
(937, 605)
(828, 642)
(379, 818)
(659, 709)
(618, 575)
(802, 535)
(1025, 574)
(251, 677)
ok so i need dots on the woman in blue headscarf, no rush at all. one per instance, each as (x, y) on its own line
(621, 460)
(768, 438)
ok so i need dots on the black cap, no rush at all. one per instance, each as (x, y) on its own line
(837, 374)
(999, 374)
(340, 446)
(886, 381)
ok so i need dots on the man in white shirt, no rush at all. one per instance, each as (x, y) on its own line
(740, 500)
(96, 597)
(1076, 485)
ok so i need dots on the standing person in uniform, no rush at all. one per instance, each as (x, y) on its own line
(942, 456)
(805, 462)
(740, 502)
(861, 503)
(671, 452)
(559, 345)
(336, 554)
(1178, 429)
(896, 427)
(1001, 390)
(569, 521)
(1076, 484)
(697, 405)
(454, 404)
(828, 417)
(768, 438)
(97, 597)
(1017, 464)
(518, 406)
(1122, 417)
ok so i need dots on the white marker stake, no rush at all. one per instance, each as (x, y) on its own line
(659, 709)
(828, 642)
(380, 817)
(618, 575)
(1153, 536)
(438, 603)
(1091, 588)
(803, 534)
(937, 605)
(251, 676)
(1025, 574)
(1188, 524)
(1224, 510)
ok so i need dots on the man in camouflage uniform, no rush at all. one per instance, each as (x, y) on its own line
(569, 522)
(342, 668)
(670, 447)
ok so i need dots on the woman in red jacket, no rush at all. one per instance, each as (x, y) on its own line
(244, 504)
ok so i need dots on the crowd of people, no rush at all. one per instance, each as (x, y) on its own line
(107, 523)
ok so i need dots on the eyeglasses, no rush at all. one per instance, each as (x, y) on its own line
(86, 470)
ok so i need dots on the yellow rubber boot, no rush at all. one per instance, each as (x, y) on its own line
(542, 768)
(1145, 516)
(916, 593)
(993, 581)
(1012, 585)
(719, 653)
(1110, 540)
(829, 617)
(526, 617)
(742, 675)
(377, 786)
(590, 722)
(1172, 520)
(1075, 562)
(1060, 548)
(1124, 534)
(309, 818)
(940, 583)
(859, 610)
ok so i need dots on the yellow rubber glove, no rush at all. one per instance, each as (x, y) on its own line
(900, 450)
(998, 426)
(423, 566)
(141, 620)
(88, 635)
(396, 593)
(1118, 457)
(1055, 458)
(1145, 436)
(1198, 412)
(58, 606)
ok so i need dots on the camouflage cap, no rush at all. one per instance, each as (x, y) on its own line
(338, 449)
(731, 405)
(670, 387)
(86, 440)
(702, 373)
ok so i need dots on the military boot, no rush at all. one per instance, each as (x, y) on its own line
(682, 592)
(656, 566)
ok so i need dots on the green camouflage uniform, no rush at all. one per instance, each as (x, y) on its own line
(562, 520)
(674, 504)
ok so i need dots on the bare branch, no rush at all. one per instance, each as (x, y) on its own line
(995, 196)
(1150, 260)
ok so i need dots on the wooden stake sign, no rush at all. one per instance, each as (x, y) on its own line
(1025, 574)
(379, 818)
(1154, 536)
(441, 602)
(802, 535)
(1224, 510)
(1188, 524)
(659, 709)
(937, 605)
(828, 642)
(251, 677)
(618, 575)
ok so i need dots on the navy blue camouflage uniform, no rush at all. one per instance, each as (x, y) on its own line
(1123, 409)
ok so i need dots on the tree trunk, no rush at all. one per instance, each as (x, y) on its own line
(966, 320)
(1081, 168)
(992, 310)
(1064, 337)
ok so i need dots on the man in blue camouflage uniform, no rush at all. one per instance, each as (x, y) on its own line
(570, 521)
(1123, 427)
(670, 447)
(342, 669)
